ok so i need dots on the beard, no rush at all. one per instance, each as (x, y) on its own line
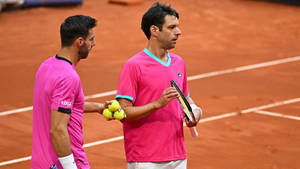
(83, 51)
(168, 44)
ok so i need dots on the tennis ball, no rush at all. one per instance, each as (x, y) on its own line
(119, 115)
(107, 113)
(114, 105)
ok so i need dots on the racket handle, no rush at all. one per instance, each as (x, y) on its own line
(194, 132)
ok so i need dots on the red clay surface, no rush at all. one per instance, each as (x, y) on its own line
(217, 35)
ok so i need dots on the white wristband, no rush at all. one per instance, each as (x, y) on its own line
(68, 162)
(194, 107)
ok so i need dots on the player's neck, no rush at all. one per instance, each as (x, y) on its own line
(157, 51)
(69, 54)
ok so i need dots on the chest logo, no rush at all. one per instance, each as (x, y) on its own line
(179, 74)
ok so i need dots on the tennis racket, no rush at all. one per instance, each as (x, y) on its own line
(186, 108)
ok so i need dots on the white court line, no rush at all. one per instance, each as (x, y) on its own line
(201, 121)
(244, 68)
(102, 141)
(271, 105)
(16, 111)
(31, 107)
(101, 94)
(84, 146)
(277, 114)
(194, 77)
(15, 161)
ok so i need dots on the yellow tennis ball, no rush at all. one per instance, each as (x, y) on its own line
(119, 114)
(114, 105)
(107, 113)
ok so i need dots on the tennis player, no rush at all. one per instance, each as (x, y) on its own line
(153, 128)
(58, 105)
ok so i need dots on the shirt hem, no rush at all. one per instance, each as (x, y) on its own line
(159, 160)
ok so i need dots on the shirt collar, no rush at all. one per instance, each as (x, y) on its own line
(157, 59)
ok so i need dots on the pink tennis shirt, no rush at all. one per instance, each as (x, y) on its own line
(159, 136)
(57, 87)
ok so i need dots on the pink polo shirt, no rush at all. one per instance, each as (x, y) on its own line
(57, 87)
(159, 136)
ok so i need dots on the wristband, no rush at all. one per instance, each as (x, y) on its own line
(194, 107)
(68, 162)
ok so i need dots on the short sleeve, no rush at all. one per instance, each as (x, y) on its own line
(128, 82)
(64, 93)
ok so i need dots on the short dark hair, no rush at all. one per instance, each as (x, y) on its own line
(156, 16)
(74, 27)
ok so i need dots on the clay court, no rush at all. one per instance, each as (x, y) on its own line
(242, 59)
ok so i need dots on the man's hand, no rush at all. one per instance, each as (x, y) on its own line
(167, 95)
(190, 123)
(198, 114)
(90, 107)
(103, 106)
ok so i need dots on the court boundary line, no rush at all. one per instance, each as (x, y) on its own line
(245, 111)
(190, 78)
(268, 113)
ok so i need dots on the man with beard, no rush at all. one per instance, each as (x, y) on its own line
(58, 105)
(153, 127)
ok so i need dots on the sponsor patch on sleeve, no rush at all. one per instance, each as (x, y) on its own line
(64, 110)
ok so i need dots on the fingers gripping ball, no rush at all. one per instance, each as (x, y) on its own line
(107, 113)
(114, 105)
(114, 109)
(119, 114)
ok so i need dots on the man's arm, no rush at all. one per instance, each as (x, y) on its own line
(138, 112)
(95, 107)
(59, 133)
(61, 140)
(197, 113)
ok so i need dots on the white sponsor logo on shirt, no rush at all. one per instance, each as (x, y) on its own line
(66, 103)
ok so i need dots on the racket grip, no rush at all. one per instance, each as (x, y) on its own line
(194, 132)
